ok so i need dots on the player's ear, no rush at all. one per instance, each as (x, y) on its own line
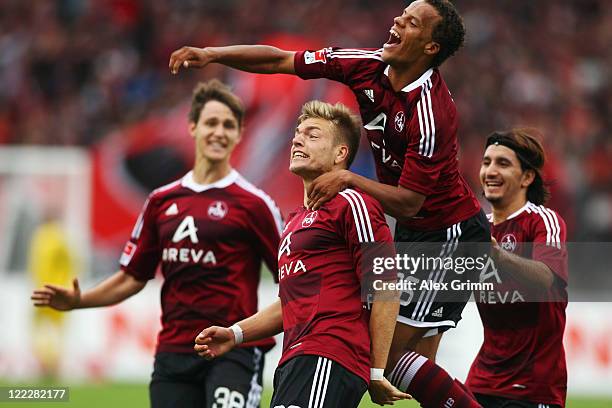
(240, 130)
(527, 178)
(192, 127)
(342, 152)
(432, 48)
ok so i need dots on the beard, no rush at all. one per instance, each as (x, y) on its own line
(492, 200)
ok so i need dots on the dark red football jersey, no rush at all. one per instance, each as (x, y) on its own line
(412, 133)
(522, 356)
(210, 241)
(321, 277)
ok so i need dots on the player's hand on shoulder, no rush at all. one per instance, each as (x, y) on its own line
(57, 297)
(325, 187)
(188, 57)
(382, 392)
(214, 342)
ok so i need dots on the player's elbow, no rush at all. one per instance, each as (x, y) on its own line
(547, 278)
(411, 211)
(403, 211)
(409, 203)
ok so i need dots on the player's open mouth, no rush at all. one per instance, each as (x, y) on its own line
(493, 184)
(299, 155)
(217, 145)
(394, 38)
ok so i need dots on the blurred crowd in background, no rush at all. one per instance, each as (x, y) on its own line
(73, 71)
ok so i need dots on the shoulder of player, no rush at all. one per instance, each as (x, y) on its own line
(164, 191)
(252, 194)
(432, 86)
(254, 197)
(366, 58)
(354, 53)
(545, 218)
(353, 198)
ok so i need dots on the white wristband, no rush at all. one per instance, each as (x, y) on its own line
(238, 337)
(377, 374)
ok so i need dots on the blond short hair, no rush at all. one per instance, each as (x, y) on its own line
(346, 125)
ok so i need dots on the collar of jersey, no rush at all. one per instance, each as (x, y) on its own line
(191, 184)
(520, 210)
(414, 85)
(517, 212)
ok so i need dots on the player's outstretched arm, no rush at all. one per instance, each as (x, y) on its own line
(382, 326)
(398, 202)
(260, 59)
(113, 290)
(215, 341)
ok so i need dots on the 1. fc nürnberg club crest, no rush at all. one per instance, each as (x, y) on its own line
(508, 242)
(400, 119)
(217, 210)
(309, 219)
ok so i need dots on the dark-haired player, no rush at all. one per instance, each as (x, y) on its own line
(411, 122)
(522, 361)
(209, 232)
(333, 346)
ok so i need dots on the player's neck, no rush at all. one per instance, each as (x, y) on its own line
(205, 172)
(503, 211)
(307, 183)
(399, 77)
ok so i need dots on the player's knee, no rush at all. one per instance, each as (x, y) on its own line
(396, 353)
(405, 340)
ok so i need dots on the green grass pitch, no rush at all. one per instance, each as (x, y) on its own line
(116, 395)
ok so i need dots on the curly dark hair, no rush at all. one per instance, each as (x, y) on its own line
(449, 32)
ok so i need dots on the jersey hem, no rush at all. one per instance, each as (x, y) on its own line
(417, 224)
(331, 357)
(182, 349)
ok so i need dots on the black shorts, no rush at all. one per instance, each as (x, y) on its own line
(441, 310)
(316, 382)
(492, 401)
(188, 380)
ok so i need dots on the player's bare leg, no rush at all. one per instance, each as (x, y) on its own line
(428, 346)
(405, 339)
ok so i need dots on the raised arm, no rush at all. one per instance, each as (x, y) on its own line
(115, 289)
(398, 202)
(215, 341)
(261, 59)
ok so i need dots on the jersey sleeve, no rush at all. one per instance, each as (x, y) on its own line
(346, 65)
(428, 148)
(267, 224)
(367, 233)
(549, 236)
(141, 253)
